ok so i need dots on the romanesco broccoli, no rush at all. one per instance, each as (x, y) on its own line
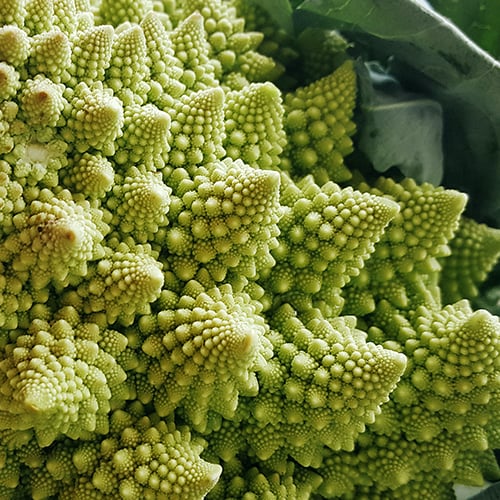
(200, 293)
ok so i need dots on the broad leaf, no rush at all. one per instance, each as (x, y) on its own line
(399, 128)
(280, 11)
(478, 19)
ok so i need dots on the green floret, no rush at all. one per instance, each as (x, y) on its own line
(41, 103)
(37, 155)
(90, 54)
(475, 249)
(197, 125)
(426, 486)
(191, 48)
(12, 201)
(50, 55)
(444, 402)
(206, 350)
(55, 472)
(139, 203)
(122, 284)
(146, 132)
(65, 15)
(219, 20)
(241, 482)
(319, 126)
(325, 383)
(91, 175)
(340, 474)
(85, 19)
(326, 234)
(42, 16)
(395, 478)
(117, 12)
(225, 220)
(9, 81)
(13, 13)
(8, 111)
(18, 300)
(144, 457)
(9, 473)
(255, 67)
(457, 350)
(94, 119)
(276, 43)
(55, 240)
(128, 73)
(404, 268)
(39, 16)
(253, 123)
(233, 49)
(190, 306)
(14, 45)
(166, 70)
(140, 457)
(473, 467)
(57, 379)
(393, 467)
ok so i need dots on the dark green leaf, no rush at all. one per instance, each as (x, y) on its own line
(479, 19)
(280, 11)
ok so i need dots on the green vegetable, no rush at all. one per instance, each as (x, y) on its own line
(207, 290)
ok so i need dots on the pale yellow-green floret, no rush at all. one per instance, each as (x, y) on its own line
(139, 202)
(9, 81)
(91, 175)
(90, 54)
(145, 139)
(224, 220)
(55, 242)
(324, 385)
(253, 122)
(405, 266)
(42, 102)
(475, 248)
(191, 47)
(205, 350)
(123, 283)
(196, 128)
(58, 380)
(319, 126)
(94, 118)
(326, 234)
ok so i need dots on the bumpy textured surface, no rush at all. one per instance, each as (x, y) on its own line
(224, 220)
(205, 351)
(326, 234)
(404, 268)
(326, 383)
(54, 241)
(190, 305)
(319, 124)
(58, 380)
(475, 249)
(254, 125)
